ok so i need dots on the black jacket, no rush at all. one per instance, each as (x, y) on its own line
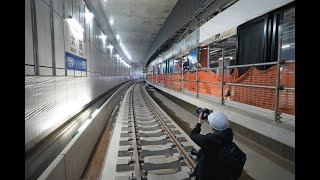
(208, 166)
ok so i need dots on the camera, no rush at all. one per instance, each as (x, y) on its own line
(205, 112)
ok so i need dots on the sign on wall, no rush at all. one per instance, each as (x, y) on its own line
(74, 48)
(74, 62)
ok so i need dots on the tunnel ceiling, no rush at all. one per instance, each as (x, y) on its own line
(137, 22)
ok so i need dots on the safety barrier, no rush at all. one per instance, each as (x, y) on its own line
(255, 87)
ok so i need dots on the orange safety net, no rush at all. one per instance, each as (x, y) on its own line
(205, 87)
(189, 85)
(287, 97)
(260, 97)
(263, 97)
(175, 82)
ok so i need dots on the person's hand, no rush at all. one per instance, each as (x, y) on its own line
(201, 121)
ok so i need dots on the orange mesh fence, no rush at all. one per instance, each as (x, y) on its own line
(189, 85)
(261, 97)
(176, 81)
(287, 97)
(210, 88)
(160, 81)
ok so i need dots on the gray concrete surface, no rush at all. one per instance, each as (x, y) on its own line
(257, 166)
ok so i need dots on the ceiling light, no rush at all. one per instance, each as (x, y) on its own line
(118, 37)
(286, 46)
(110, 46)
(88, 15)
(111, 21)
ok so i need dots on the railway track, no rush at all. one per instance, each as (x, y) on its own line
(150, 145)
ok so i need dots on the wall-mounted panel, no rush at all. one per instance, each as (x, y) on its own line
(28, 38)
(59, 40)
(70, 72)
(58, 6)
(45, 71)
(28, 70)
(77, 73)
(81, 14)
(45, 1)
(76, 10)
(44, 34)
(68, 8)
(60, 72)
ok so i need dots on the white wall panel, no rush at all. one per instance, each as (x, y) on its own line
(45, 71)
(70, 72)
(77, 73)
(44, 34)
(28, 70)
(28, 38)
(58, 7)
(59, 40)
(76, 9)
(45, 1)
(81, 14)
(68, 8)
(60, 72)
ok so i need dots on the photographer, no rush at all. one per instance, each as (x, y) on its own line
(208, 157)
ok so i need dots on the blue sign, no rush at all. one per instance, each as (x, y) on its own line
(193, 57)
(74, 62)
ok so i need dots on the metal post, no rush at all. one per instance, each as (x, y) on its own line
(169, 78)
(276, 111)
(208, 56)
(182, 77)
(197, 83)
(222, 79)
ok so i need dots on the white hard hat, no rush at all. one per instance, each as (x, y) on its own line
(218, 121)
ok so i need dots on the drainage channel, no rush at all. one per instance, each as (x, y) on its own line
(150, 144)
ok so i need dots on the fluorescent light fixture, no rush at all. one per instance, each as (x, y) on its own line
(84, 125)
(117, 55)
(95, 113)
(285, 46)
(88, 15)
(220, 58)
(118, 37)
(110, 46)
(75, 24)
(111, 21)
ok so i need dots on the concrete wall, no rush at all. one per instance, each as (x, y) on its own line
(100, 61)
(51, 101)
(71, 162)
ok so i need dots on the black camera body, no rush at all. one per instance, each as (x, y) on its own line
(205, 112)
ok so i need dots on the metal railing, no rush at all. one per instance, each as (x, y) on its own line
(277, 87)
